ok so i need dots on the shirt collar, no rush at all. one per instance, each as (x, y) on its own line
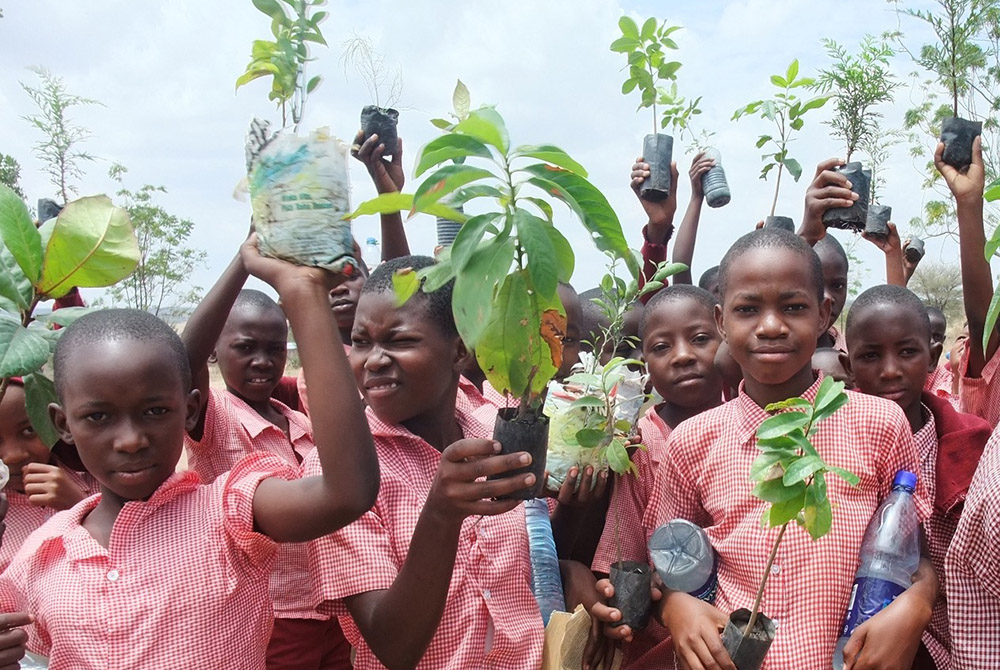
(467, 421)
(255, 424)
(751, 415)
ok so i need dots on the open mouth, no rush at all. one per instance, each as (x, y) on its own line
(259, 381)
(381, 387)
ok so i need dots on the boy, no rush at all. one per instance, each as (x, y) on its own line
(159, 571)
(250, 347)
(835, 266)
(773, 310)
(436, 574)
(889, 340)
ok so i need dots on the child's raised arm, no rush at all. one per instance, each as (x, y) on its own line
(304, 509)
(828, 189)
(977, 280)
(688, 232)
(893, 250)
(660, 221)
(389, 177)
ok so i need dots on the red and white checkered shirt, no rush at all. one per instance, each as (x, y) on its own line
(939, 383)
(705, 478)
(23, 518)
(183, 583)
(491, 619)
(972, 577)
(233, 430)
(981, 395)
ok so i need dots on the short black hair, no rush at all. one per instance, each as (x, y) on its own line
(114, 325)
(771, 238)
(888, 294)
(249, 297)
(934, 311)
(669, 294)
(438, 303)
(833, 244)
(708, 276)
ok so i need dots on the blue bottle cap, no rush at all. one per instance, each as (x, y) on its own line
(371, 240)
(905, 479)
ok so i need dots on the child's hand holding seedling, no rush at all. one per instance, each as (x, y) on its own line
(700, 165)
(695, 627)
(893, 250)
(49, 486)
(660, 213)
(388, 175)
(828, 189)
(966, 185)
(593, 486)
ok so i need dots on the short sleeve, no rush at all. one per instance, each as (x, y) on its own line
(982, 552)
(15, 584)
(214, 429)
(239, 488)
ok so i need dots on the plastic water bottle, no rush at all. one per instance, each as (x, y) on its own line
(32, 662)
(372, 255)
(890, 554)
(684, 558)
(713, 182)
(546, 581)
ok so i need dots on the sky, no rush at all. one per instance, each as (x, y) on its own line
(165, 73)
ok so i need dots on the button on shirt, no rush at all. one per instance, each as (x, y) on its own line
(182, 584)
(491, 619)
(705, 479)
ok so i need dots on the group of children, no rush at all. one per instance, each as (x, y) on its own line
(371, 530)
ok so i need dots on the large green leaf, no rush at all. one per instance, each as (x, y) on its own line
(405, 283)
(449, 147)
(444, 181)
(564, 253)
(15, 287)
(542, 261)
(551, 154)
(92, 244)
(991, 319)
(786, 510)
(19, 233)
(781, 424)
(390, 203)
(468, 238)
(21, 350)
(63, 317)
(590, 205)
(475, 287)
(775, 491)
(487, 126)
(39, 392)
(464, 195)
(802, 469)
(817, 514)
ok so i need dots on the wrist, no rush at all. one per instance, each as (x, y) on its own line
(658, 233)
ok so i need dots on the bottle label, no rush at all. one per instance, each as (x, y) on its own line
(869, 596)
(708, 590)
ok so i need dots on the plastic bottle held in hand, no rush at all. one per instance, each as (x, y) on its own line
(372, 255)
(890, 554)
(546, 581)
(684, 558)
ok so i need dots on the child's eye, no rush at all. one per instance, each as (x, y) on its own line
(701, 338)
(157, 411)
(745, 309)
(796, 307)
(28, 431)
(96, 417)
(869, 356)
(660, 347)
(277, 350)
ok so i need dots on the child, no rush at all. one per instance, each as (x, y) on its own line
(835, 265)
(773, 310)
(889, 340)
(40, 484)
(159, 571)
(436, 574)
(250, 347)
(709, 281)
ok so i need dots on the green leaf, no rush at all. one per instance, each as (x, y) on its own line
(590, 437)
(468, 238)
(762, 465)
(585, 379)
(762, 140)
(443, 124)
(817, 513)
(666, 270)
(444, 181)
(791, 441)
(313, 83)
(587, 401)
(475, 286)
(39, 392)
(790, 403)
(781, 424)
(991, 319)
(814, 103)
(390, 203)
(624, 45)
(793, 168)
(21, 350)
(405, 283)
(648, 31)
(19, 234)
(14, 286)
(802, 469)
(551, 154)
(993, 244)
(63, 317)
(542, 261)
(449, 147)
(793, 70)
(617, 457)
(437, 275)
(543, 206)
(461, 100)
(786, 510)
(563, 251)
(991, 194)
(271, 8)
(846, 475)
(487, 126)
(775, 491)
(92, 244)
(628, 27)
(831, 401)
(779, 81)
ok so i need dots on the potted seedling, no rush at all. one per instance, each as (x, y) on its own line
(90, 243)
(298, 184)
(791, 478)
(507, 261)
(385, 85)
(786, 111)
(649, 72)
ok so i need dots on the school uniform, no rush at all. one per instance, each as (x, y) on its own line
(939, 384)
(183, 584)
(981, 395)
(233, 430)
(972, 583)
(491, 619)
(705, 479)
(23, 518)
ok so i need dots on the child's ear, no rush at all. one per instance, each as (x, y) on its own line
(213, 358)
(825, 309)
(462, 356)
(192, 406)
(718, 322)
(58, 416)
(936, 349)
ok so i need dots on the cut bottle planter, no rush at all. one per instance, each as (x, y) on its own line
(957, 134)
(783, 222)
(658, 152)
(713, 182)
(854, 217)
(631, 581)
(526, 433)
(748, 651)
(381, 122)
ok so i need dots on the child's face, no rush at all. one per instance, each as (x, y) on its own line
(19, 445)
(251, 352)
(403, 363)
(125, 408)
(938, 327)
(679, 346)
(344, 301)
(889, 354)
(771, 317)
(834, 280)
(571, 342)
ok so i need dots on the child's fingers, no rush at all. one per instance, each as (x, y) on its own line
(469, 448)
(397, 155)
(854, 646)
(492, 507)
(834, 196)
(939, 163)
(584, 492)
(827, 166)
(568, 487)
(29, 469)
(9, 620)
(602, 486)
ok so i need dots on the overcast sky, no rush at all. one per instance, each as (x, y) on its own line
(165, 73)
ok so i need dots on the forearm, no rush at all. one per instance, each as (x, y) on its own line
(394, 243)
(399, 623)
(894, 274)
(686, 236)
(977, 281)
(203, 328)
(923, 592)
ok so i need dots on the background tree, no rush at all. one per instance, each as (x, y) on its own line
(60, 149)
(10, 174)
(940, 285)
(160, 283)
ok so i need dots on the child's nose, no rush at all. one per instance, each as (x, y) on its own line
(683, 354)
(130, 439)
(377, 359)
(770, 325)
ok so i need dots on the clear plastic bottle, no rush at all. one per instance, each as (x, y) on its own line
(890, 554)
(684, 558)
(546, 581)
(32, 662)
(372, 255)
(713, 182)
